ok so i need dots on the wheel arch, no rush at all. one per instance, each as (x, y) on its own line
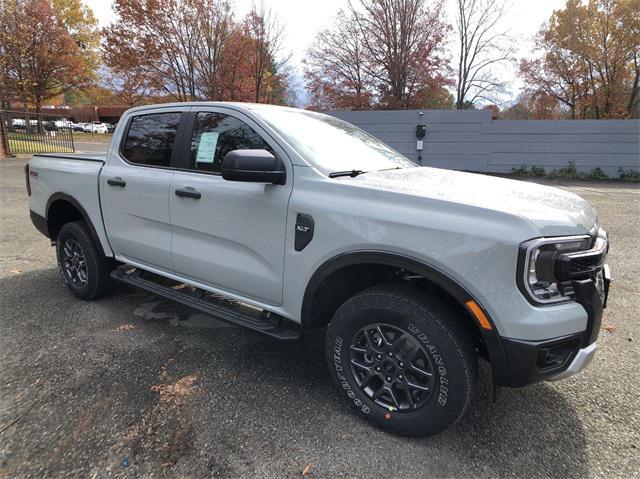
(376, 266)
(63, 208)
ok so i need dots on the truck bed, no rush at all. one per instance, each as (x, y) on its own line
(70, 177)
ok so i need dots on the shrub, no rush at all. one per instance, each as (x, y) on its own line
(520, 171)
(598, 174)
(629, 175)
(537, 170)
(569, 172)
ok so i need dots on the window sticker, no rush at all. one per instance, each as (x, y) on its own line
(207, 147)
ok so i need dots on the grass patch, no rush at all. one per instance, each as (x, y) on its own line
(30, 146)
(92, 137)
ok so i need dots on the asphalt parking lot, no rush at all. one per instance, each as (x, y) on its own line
(132, 385)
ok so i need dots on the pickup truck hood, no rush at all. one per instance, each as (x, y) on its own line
(552, 211)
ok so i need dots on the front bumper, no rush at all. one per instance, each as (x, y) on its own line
(532, 361)
(582, 360)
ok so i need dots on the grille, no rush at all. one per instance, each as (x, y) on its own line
(585, 264)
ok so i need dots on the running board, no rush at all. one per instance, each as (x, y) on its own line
(234, 312)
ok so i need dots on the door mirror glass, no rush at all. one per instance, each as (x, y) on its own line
(257, 166)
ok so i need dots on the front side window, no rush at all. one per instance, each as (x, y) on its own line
(215, 135)
(150, 139)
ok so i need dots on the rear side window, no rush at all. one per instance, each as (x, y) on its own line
(215, 135)
(150, 139)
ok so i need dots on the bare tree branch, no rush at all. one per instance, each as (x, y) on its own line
(481, 47)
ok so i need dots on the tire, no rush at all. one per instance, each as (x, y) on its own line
(413, 323)
(83, 269)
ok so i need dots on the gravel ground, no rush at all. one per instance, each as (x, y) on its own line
(134, 386)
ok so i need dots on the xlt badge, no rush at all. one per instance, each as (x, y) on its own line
(304, 231)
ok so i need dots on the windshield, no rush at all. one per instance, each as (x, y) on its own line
(332, 144)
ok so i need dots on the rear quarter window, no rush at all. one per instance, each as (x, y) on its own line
(150, 139)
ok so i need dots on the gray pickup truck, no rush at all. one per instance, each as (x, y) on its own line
(284, 221)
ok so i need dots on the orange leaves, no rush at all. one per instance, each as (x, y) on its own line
(195, 49)
(591, 75)
(42, 57)
(381, 54)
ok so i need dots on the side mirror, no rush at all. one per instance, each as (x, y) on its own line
(257, 166)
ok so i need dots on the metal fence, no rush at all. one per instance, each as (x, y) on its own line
(27, 132)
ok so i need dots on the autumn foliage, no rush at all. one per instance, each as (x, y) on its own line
(44, 50)
(196, 50)
(375, 54)
(383, 54)
(589, 60)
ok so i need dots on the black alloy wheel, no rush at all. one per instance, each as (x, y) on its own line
(402, 358)
(74, 263)
(391, 367)
(83, 266)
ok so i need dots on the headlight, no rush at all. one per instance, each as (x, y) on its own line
(537, 267)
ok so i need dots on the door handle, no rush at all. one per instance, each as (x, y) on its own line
(117, 181)
(188, 193)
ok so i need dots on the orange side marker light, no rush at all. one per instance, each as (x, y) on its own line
(478, 314)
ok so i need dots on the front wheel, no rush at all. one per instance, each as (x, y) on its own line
(84, 270)
(402, 359)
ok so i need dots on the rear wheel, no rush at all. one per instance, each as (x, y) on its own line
(84, 270)
(402, 359)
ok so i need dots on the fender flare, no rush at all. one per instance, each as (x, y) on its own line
(59, 196)
(491, 338)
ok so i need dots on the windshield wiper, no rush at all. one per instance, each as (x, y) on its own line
(351, 173)
(388, 169)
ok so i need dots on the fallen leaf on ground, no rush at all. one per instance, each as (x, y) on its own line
(158, 388)
(125, 327)
(181, 389)
(306, 470)
(15, 271)
(609, 328)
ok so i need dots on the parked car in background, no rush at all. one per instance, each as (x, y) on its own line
(78, 126)
(18, 123)
(95, 127)
(111, 127)
(63, 124)
(50, 126)
(285, 220)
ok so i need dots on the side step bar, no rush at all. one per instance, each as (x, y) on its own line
(222, 308)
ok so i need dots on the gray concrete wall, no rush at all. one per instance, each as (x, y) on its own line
(471, 140)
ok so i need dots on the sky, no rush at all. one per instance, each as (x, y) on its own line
(303, 19)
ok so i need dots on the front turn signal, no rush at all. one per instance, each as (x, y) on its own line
(477, 312)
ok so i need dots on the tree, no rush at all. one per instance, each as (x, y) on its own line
(159, 37)
(482, 47)
(383, 54)
(129, 87)
(79, 22)
(266, 33)
(404, 42)
(39, 56)
(493, 108)
(194, 49)
(216, 30)
(589, 58)
(533, 105)
(335, 70)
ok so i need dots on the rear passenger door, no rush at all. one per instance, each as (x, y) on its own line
(134, 187)
(231, 237)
